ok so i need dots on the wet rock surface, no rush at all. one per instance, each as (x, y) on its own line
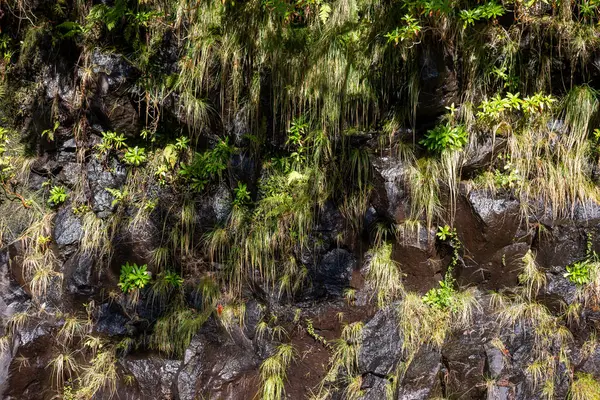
(67, 91)
(334, 271)
(381, 348)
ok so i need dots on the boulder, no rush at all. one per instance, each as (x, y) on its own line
(112, 104)
(101, 177)
(381, 347)
(67, 227)
(334, 271)
(390, 198)
(421, 380)
(155, 376)
(213, 365)
(79, 273)
(417, 256)
(374, 387)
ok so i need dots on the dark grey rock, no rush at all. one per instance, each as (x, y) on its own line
(481, 153)
(70, 174)
(12, 300)
(99, 179)
(497, 213)
(67, 227)
(560, 287)
(112, 105)
(560, 246)
(381, 348)
(390, 199)
(421, 381)
(155, 376)
(495, 361)
(591, 363)
(215, 206)
(111, 321)
(112, 69)
(438, 85)
(374, 387)
(212, 362)
(191, 369)
(79, 269)
(335, 270)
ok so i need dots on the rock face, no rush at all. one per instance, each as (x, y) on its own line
(154, 375)
(335, 270)
(381, 348)
(228, 168)
(422, 380)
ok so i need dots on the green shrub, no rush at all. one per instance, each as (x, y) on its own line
(490, 10)
(584, 387)
(207, 166)
(58, 195)
(173, 279)
(409, 32)
(445, 233)
(441, 297)
(135, 156)
(111, 141)
(133, 277)
(49, 133)
(445, 137)
(242, 195)
(579, 272)
(296, 139)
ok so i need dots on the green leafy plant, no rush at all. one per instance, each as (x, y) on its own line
(119, 195)
(509, 177)
(579, 272)
(445, 233)
(49, 133)
(58, 195)
(242, 195)
(441, 297)
(173, 279)
(69, 29)
(207, 166)
(445, 137)
(490, 10)
(296, 138)
(110, 141)
(133, 277)
(135, 156)
(81, 209)
(409, 32)
(182, 143)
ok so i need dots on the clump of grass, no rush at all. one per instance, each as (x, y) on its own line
(584, 387)
(174, 331)
(344, 360)
(100, 375)
(63, 365)
(424, 187)
(550, 335)
(73, 327)
(273, 372)
(531, 276)
(97, 237)
(384, 275)
(17, 321)
(354, 207)
(422, 324)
